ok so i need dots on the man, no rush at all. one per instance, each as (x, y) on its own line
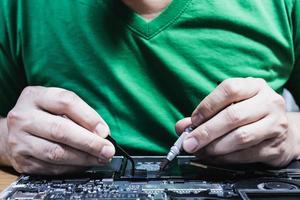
(72, 72)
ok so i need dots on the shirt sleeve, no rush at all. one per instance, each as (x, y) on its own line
(12, 75)
(293, 84)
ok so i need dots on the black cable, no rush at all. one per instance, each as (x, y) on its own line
(123, 153)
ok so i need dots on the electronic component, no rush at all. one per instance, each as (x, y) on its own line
(185, 178)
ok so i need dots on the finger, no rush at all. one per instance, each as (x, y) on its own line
(265, 152)
(243, 137)
(35, 166)
(63, 102)
(182, 124)
(64, 131)
(229, 91)
(59, 154)
(233, 116)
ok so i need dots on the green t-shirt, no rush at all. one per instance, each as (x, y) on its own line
(142, 76)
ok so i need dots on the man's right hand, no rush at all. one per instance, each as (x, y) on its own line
(53, 131)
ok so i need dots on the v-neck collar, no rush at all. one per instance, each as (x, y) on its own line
(149, 29)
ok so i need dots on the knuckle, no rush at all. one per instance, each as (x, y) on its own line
(260, 81)
(29, 91)
(17, 147)
(58, 131)
(19, 164)
(96, 124)
(19, 169)
(281, 150)
(205, 108)
(67, 99)
(12, 142)
(242, 137)
(279, 101)
(280, 131)
(284, 123)
(202, 134)
(230, 88)
(283, 136)
(55, 153)
(232, 115)
(92, 146)
(283, 129)
(275, 153)
(13, 117)
(105, 132)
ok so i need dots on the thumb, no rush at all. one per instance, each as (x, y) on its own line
(182, 124)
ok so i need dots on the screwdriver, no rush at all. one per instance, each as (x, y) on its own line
(175, 149)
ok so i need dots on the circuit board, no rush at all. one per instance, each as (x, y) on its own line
(186, 178)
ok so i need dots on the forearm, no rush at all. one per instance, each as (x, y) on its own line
(4, 159)
(294, 128)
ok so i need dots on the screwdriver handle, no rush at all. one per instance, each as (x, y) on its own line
(177, 147)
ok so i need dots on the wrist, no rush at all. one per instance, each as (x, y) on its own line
(4, 155)
(294, 130)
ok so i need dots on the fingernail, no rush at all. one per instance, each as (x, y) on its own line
(197, 119)
(107, 152)
(190, 145)
(102, 130)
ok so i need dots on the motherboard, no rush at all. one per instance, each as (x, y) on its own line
(185, 178)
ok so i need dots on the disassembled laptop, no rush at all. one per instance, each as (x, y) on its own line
(143, 177)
